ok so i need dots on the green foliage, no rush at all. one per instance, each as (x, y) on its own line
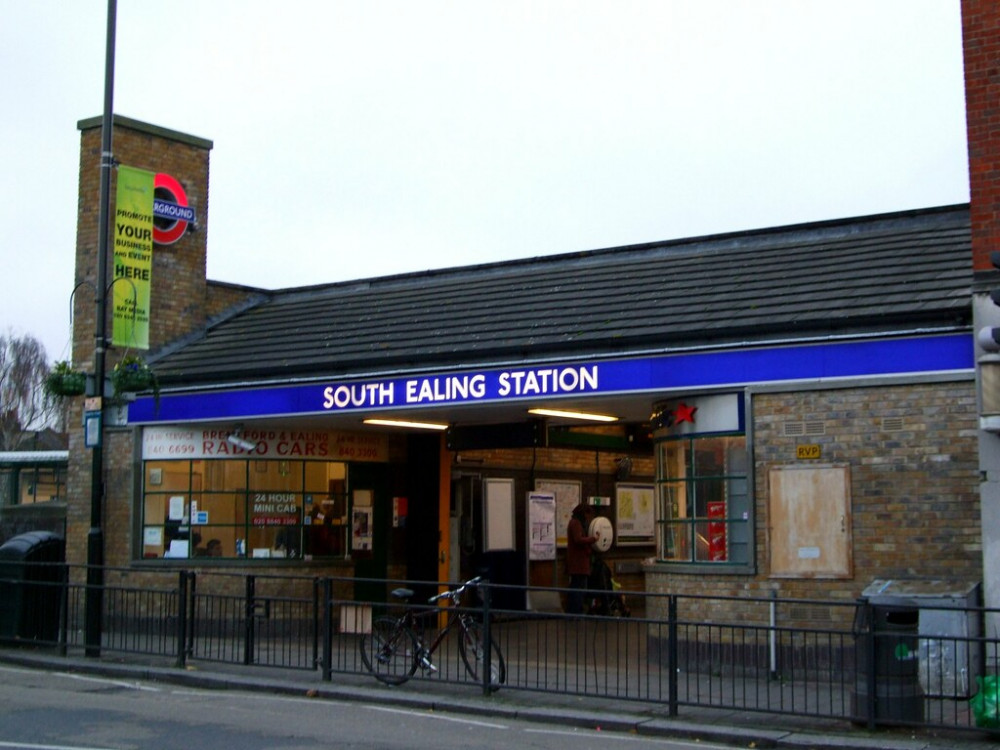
(132, 375)
(64, 381)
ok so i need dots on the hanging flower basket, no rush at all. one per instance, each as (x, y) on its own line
(131, 375)
(65, 381)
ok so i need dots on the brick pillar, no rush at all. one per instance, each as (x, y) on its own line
(981, 46)
(981, 42)
(179, 304)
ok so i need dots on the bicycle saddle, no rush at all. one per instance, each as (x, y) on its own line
(402, 593)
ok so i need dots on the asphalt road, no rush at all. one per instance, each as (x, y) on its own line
(42, 710)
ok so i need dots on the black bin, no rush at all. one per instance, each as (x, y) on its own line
(888, 659)
(32, 586)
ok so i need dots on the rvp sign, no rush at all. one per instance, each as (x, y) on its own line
(171, 212)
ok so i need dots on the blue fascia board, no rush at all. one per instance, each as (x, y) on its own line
(816, 362)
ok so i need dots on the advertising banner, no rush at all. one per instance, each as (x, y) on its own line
(189, 442)
(133, 258)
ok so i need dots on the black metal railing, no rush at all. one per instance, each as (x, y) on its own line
(854, 661)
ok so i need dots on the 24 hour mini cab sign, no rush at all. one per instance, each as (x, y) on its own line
(149, 209)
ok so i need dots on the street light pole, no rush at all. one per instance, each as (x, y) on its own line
(95, 537)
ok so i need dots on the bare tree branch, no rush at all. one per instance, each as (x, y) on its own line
(23, 403)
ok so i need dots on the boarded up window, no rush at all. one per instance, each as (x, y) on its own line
(809, 521)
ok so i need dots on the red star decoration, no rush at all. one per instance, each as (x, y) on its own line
(684, 413)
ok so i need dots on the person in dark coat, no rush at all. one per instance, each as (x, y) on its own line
(578, 546)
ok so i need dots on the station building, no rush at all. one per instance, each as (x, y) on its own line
(790, 409)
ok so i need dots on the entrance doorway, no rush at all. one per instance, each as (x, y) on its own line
(423, 535)
(466, 497)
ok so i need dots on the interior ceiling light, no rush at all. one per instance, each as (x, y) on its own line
(573, 415)
(406, 424)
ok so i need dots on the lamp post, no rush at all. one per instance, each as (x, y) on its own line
(95, 536)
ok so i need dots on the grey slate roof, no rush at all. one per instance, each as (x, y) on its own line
(873, 274)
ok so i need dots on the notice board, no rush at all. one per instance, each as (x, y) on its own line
(567, 495)
(541, 526)
(498, 515)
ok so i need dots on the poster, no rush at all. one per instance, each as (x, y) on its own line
(635, 512)
(498, 515)
(717, 531)
(567, 494)
(133, 258)
(541, 526)
(361, 529)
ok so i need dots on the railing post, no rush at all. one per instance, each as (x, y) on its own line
(484, 586)
(249, 624)
(316, 622)
(182, 616)
(192, 614)
(327, 604)
(772, 636)
(672, 654)
(64, 609)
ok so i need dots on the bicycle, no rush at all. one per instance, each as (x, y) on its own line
(393, 651)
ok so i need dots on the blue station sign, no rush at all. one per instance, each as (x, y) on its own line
(951, 353)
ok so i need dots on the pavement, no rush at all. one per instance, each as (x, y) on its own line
(738, 729)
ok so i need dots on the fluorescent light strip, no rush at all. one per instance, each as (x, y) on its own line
(403, 423)
(573, 415)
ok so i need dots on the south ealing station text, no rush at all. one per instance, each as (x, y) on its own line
(467, 387)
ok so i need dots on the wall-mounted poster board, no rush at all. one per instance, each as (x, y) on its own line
(362, 521)
(498, 515)
(635, 511)
(567, 495)
(541, 526)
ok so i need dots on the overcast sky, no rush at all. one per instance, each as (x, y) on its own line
(365, 138)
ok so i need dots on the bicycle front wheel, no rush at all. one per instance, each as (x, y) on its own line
(389, 651)
(471, 647)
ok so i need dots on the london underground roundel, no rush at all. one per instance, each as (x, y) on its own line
(171, 213)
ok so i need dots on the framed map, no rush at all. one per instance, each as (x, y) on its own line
(567, 497)
(635, 512)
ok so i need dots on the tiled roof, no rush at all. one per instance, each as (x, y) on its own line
(874, 274)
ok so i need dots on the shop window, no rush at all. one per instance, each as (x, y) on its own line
(704, 500)
(40, 484)
(8, 486)
(244, 508)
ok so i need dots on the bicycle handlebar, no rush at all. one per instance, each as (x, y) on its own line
(454, 594)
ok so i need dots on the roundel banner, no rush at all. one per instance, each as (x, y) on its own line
(171, 212)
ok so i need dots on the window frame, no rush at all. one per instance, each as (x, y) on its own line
(273, 506)
(685, 487)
